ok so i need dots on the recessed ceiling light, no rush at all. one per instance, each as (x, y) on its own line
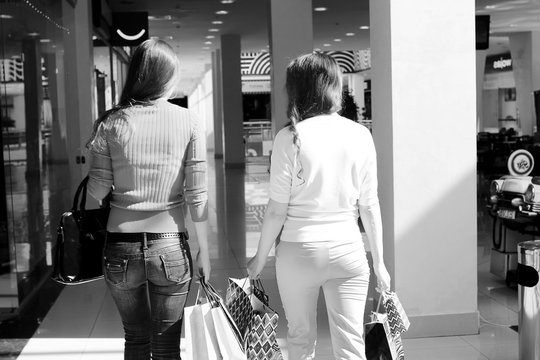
(227, 1)
(217, 22)
(326, 44)
(364, 27)
(337, 40)
(320, 8)
(163, 17)
(317, 49)
(349, 34)
(169, 37)
(213, 30)
(94, 37)
(490, 7)
(222, 12)
(44, 40)
(210, 36)
(33, 33)
(207, 43)
(5, 16)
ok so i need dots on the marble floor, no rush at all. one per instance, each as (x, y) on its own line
(83, 322)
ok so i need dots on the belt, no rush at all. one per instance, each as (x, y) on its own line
(140, 236)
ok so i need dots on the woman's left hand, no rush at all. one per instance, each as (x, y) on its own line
(255, 266)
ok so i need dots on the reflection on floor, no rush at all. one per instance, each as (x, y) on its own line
(84, 324)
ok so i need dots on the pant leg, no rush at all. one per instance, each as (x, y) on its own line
(126, 281)
(299, 270)
(169, 269)
(345, 293)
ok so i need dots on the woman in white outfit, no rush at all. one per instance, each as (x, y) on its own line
(323, 176)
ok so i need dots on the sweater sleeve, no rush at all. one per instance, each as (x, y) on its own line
(368, 185)
(100, 174)
(281, 167)
(195, 186)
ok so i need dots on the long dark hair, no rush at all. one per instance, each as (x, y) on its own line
(153, 72)
(314, 87)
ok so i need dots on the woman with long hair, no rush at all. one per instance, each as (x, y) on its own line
(323, 177)
(150, 155)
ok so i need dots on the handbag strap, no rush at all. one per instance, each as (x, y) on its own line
(80, 190)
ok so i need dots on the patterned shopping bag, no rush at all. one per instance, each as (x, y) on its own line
(261, 341)
(238, 303)
(380, 344)
(397, 318)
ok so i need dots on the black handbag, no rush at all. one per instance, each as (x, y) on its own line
(80, 241)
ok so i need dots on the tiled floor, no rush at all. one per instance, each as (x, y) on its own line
(84, 324)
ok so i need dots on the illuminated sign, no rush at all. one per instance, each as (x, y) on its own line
(129, 28)
(499, 63)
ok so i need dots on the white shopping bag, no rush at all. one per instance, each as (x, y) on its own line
(200, 336)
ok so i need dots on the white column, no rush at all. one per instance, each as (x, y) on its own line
(233, 144)
(218, 102)
(79, 83)
(291, 34)
(424, 126)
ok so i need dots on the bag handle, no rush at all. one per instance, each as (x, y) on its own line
(81, 189)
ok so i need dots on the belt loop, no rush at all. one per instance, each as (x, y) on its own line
(145, 241)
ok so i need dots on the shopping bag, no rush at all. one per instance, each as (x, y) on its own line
(238, 301)
(200, 337)
(261, 341)
(229, 339)
(397, 318)
(380, 344)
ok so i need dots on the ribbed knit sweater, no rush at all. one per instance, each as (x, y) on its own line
(153, 157)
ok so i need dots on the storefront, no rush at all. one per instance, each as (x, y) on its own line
(500, 111)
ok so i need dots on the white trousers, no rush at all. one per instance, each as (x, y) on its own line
(342, 270)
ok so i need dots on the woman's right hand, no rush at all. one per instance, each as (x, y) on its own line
(203, 264)
(383, 277)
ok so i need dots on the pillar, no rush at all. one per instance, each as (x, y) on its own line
(291, 34)
(217, 101)
(525, 52)
(233, 140)
(79, 83)
(424, 115)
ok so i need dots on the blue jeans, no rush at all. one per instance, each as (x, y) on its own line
(149, 282)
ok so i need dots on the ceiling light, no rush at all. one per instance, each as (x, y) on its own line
(207, 43)
(210, 36)
(320, 8)
(337, 40)
(227, 1)
(5, 16)
(213, 30)
(326, 45)
(94, 37)
(364, 27)
(44, 40)
(217, 22)
(317, 49)
(169, 37)
(33, 33)
(222, 12)
(164, 17)
(490, 7)
(349, 34)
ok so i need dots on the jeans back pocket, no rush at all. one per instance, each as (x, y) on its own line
(115, 270)
(176, 266)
